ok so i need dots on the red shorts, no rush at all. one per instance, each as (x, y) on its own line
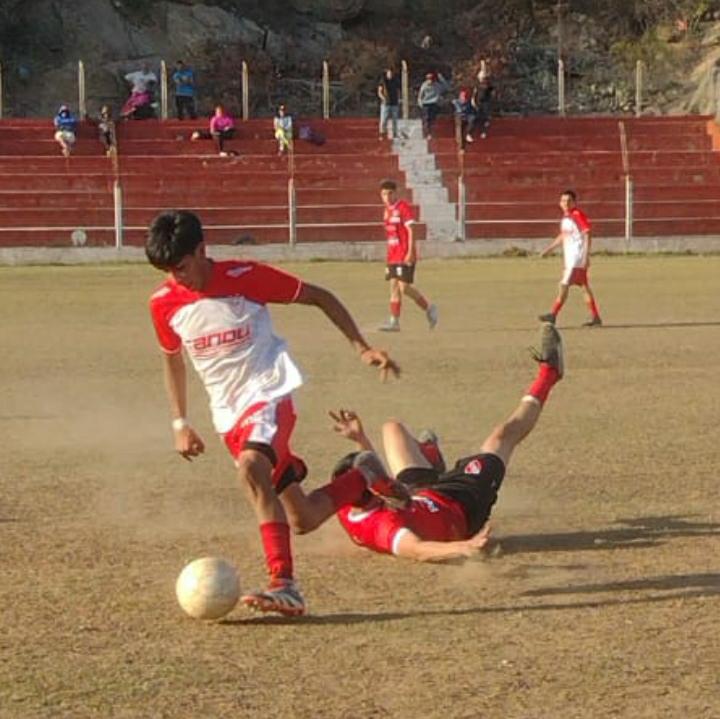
(575, 276)
(267, 427)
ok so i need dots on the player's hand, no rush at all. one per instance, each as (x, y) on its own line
(478, 542)
(380, 358)
(347, 423)
(188, 443)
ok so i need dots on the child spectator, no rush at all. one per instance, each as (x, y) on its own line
(106, 129)
(283, 127)
(222, 128)
(465, 113)
(65, 127)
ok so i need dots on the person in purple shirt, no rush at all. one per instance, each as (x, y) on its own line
(222, 128)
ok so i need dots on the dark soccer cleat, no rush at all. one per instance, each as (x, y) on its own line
(430, 447)
(393, 493)
(282, 597)
(594, 322)
(549, 317)
(551, 348)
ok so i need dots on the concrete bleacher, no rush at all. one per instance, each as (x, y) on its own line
(513, 180)
(44, 197)
(514, 177)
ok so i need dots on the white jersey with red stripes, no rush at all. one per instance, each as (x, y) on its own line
(227, 332)
(575, 247)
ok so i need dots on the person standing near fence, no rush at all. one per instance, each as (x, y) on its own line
(184, 80)
(575, 238)
(429, 95)
(389, 93)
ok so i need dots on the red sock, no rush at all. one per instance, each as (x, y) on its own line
(394, 308)
(547, 376)
(276, 543)
(422, 303)
(557, 306)
(593, 308)
(346, 488)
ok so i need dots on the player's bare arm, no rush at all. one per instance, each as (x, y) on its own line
(555, 243)
(188, 443)
(410, 546)
(411, 256)
(342, 319)
(347, 423)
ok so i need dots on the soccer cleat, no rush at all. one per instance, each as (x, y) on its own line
(551, 348)
(549, 317)
(432, 316)
(430, 448)
(393, 493)
(282, 597)
(392, 325)
(594, 322)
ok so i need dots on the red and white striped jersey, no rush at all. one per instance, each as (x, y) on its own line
(227, 332)
(575, 248)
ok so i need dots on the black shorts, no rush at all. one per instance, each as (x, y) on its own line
(473, 483)
(405, 273)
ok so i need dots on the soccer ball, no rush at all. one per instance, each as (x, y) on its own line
(208, 588)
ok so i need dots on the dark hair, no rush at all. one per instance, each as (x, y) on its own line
(388, 185)
(172, 235)
(571, 194)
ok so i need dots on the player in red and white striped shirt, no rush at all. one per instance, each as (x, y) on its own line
(216, 313)
(446, 515)
(575, 236)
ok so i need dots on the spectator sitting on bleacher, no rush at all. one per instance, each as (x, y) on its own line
(106, 129)
(466, 115)
(283, 127)
(222, 127)
(139, 106)
(65, 127)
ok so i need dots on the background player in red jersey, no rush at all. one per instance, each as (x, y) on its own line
(575, 237)
(446, 514)
(216, 312)
(401, 258)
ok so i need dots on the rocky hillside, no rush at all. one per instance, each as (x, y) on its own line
(285, 42)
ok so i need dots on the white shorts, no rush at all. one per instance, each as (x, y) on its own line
(65, 136)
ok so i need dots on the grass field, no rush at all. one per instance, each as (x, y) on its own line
(603, 602)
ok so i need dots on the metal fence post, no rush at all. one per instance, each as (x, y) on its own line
(628, 211)
(405, 82)
(245, 82)
(462, 210)
(292, 213)
(82, 106)
(561, 88)
(326, 89)
(118, 207)
(638, 87)
(163, 90)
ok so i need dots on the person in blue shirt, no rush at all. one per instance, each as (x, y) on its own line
(65, 128)
(184, 81)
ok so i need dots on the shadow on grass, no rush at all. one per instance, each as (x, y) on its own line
(632, 534)
(640, 326)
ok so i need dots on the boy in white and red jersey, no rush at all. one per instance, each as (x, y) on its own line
(575, 237)
(217, 313)
(401, 258)
(446, 515)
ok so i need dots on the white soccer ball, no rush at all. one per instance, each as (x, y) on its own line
(208, 588)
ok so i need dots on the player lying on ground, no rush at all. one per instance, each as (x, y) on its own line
(446, 513)
(217, 313)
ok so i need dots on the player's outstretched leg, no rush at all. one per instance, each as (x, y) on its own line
(550, 356)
